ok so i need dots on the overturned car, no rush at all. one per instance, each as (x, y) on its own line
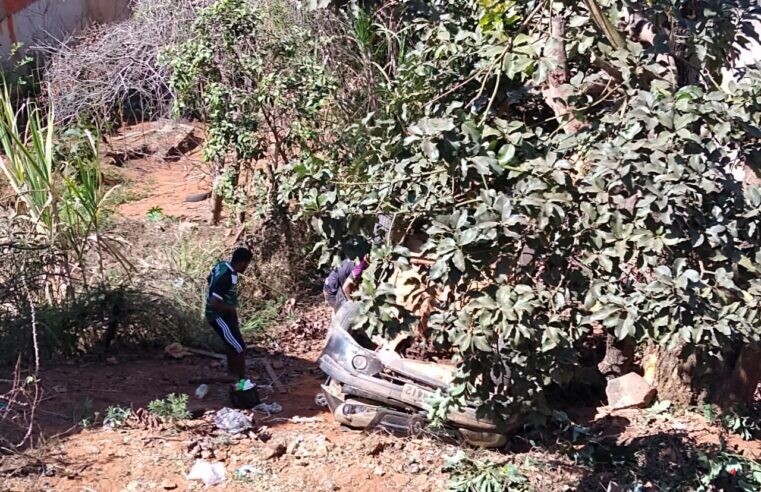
(379, 388)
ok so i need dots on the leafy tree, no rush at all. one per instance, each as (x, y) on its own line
(254, 72)
(572, 167)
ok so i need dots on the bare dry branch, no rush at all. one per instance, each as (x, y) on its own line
(113, 71)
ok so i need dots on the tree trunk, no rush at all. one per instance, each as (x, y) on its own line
(688, 376)
(216, 208)
(234, 176)
(272, 186)
(556, 95)
(216, 199)
(746, 376)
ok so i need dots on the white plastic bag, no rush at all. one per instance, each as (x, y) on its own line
(210, 473)
(231, 421)
(202, 391)
(269, 408)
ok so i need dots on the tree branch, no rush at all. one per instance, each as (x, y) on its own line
(557, 93)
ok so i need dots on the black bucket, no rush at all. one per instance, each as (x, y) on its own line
(244, 399)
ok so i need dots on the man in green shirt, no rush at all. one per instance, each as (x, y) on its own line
(221, 308)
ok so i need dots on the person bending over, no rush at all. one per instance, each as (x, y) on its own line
(343, 281)
(221, 308)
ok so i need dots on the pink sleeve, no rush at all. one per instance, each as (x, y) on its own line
(358, 269)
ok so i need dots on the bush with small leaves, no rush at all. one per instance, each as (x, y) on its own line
(173, 408)
(468, 475)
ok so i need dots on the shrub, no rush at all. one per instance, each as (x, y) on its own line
(172, 409)
(111, 73)
(468, 475)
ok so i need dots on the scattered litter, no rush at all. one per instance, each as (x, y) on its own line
(321, 446)
(210, 473)
(231, 421)
(289, 305)
(269, 408)
(248, 471)
(680, 426)
(168, 484)
(305, 420)
(202, 391)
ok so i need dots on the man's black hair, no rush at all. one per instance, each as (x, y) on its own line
(242, 255)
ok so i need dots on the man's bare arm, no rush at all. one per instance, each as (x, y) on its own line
(349, 286)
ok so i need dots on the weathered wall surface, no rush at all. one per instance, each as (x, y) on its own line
(29, 21)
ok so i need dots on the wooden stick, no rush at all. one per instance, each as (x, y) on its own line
(275, 379)
(421, 261)
(207, 353)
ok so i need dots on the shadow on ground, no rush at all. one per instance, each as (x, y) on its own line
(78, 394)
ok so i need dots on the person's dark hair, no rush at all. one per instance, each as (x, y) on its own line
(242, 255)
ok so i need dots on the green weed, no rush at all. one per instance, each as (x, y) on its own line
(155, 214)
(728, 471)
(468, 475)
(710, 412)
(173, 408)
(83, 413)
(746, 423)
(262, 317)
(116, 416)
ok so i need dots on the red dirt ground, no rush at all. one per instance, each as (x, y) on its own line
(142, 458)
(166, 185)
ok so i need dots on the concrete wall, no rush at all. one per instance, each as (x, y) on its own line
(29, 21)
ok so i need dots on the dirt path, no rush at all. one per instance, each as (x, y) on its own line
(320, 456)
(164, 186)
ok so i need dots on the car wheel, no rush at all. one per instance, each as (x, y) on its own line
(321, 400)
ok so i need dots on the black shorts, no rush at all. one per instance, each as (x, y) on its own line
(227, 328)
